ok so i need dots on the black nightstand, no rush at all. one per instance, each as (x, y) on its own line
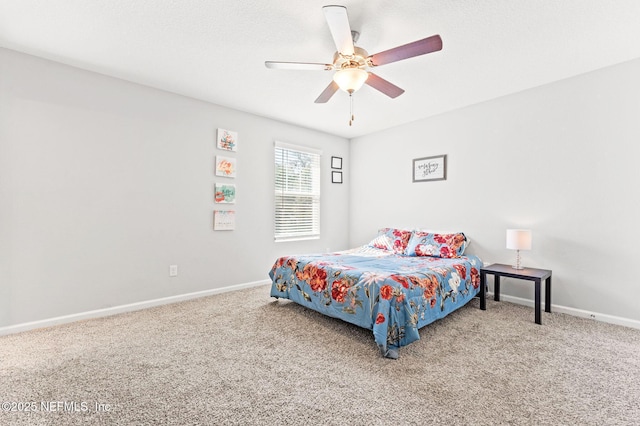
(532, 274)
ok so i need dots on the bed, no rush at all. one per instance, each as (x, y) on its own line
(399, 282)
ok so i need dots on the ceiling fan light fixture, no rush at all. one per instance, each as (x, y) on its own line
(350, 79)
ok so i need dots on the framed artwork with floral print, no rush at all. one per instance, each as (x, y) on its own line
(225, 193)
(227, 140)
(225, 166)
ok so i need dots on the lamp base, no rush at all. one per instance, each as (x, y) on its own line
(518, 265)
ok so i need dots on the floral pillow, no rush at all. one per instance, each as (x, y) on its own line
(436, 245)
(392, 239)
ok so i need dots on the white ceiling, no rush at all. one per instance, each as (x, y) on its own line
(215, 50)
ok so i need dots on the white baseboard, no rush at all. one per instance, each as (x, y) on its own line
(98, 313)
(611, 319)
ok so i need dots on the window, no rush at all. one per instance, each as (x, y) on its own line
(297, 189)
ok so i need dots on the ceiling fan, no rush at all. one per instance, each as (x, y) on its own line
(351, 62)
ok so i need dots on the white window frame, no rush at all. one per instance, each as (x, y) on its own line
(287, 227)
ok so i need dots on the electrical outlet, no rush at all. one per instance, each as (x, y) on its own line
(173, 270)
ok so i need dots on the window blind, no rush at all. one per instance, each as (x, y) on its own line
(297, 192)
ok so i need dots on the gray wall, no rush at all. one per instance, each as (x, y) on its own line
(560, 159)
(105, 183)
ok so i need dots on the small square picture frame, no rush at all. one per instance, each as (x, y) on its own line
(225, 166)
(227, 140)
(224, 220)
(225, 193)
(336, 177)
(336, 163)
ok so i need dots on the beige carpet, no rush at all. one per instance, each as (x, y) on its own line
(244, 358)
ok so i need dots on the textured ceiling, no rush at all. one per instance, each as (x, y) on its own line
(215, 50)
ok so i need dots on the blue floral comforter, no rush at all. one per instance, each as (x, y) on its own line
(391, 294)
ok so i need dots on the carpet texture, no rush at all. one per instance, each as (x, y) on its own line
(245, 358)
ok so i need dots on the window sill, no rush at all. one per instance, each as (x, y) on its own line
(288, 239)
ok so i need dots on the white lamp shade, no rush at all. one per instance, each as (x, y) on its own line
(350, 79)
(519, 239)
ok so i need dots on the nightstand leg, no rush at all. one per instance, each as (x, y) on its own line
(496, 288)
(538, 314)
(547, 295)
(483, 291)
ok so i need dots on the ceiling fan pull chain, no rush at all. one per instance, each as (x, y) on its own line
(351, 108)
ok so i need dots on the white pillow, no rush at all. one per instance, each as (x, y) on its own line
(382, 242)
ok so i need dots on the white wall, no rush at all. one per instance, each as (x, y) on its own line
(560, 159)
(105, 183)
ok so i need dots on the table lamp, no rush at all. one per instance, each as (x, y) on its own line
(518, 239)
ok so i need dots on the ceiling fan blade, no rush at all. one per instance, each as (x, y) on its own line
(338, 22)
(384, 86)
(327, 93)
(298, 66)
(417, 48)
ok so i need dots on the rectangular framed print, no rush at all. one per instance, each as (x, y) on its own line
(430, 168)
(336, 177)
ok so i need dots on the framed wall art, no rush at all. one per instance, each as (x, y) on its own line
(336, 162)
(224, 220)
(430, 168)
(336, 177)
(227, 140)
(225, 166)
(225, 193)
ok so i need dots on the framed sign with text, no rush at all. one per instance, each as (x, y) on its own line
(430, 168)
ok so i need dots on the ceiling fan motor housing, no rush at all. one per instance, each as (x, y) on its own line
(357, 60)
